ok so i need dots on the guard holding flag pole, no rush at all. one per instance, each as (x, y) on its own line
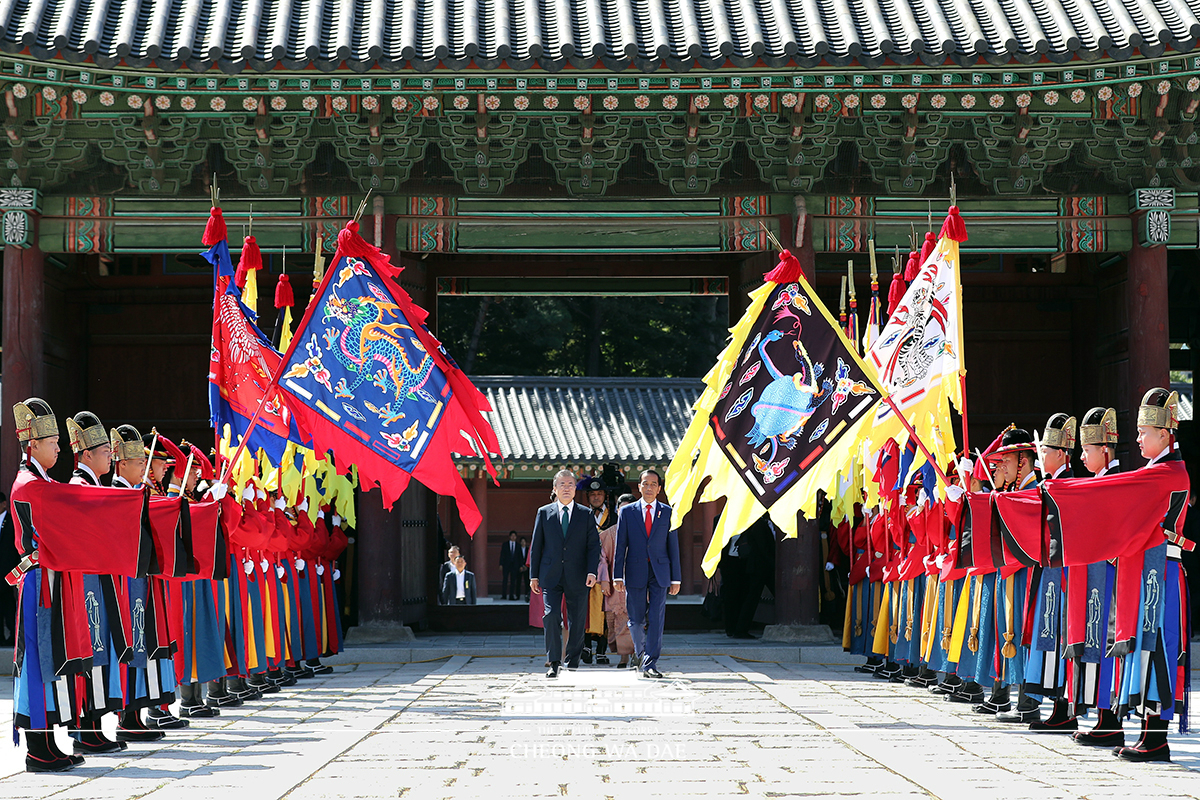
(102, 602)
(1045, 669)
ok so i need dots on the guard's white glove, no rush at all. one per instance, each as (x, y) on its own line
(261, 495)
(320, 514)
(218, 490)
(337, 521)
(248, 567)
(942, 560)
(279, 571)
(320, 570)
(299, 563)
(265, 565)
(966, 467)
(303, 506)
(280, 504)
(953, 493)
(337, 574)
(248, 493)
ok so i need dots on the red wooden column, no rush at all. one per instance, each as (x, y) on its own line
(1149, 332)
(23, 362)
(478, 562)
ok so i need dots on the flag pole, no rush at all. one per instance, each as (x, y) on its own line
(962, 364)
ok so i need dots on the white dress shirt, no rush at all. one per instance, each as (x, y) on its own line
(461, 577)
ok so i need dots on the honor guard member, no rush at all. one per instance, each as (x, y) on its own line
(143, 676)
(1014, 465)
(1151, 673)
(1045, 668)
(41, 699)
(102, 688)
(1093, 667)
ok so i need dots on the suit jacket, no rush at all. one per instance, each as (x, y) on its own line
(639, 556)
(554, 558)
(450, 587)
(511, 560)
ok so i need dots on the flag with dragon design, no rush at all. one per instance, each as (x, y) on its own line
(780, 415)
(365, 379)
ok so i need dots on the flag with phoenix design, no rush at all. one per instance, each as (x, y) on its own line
(780, 415)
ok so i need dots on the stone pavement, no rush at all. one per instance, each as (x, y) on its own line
(495, 727)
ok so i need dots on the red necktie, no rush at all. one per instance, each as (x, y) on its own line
(649, 522)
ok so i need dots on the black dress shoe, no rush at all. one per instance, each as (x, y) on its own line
(553, 671)
(587, 656)
(651, 672)
(602, 659)
(53, 765)
(201, 711)
(146, 735)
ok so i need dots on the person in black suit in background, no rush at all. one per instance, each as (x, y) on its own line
(446, 568)
(512, 558)
(563, 562)
(458, 586)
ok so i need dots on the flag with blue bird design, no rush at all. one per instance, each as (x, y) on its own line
(780, 416)
(366, 379)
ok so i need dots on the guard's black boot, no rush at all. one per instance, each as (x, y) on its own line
(130, 728)
(1152, 746)
(948, 685)
(1106, 733)
(262, 683)
(997, 703)
(239, 689)
(91, 741)
(191, 702)
(41, 756)
(158, 718)
(970, 692)
(888, 671)
(1061, 720)
(871, 666)
(317, 667)
(280, 678)
(219, 695)
(925, 677)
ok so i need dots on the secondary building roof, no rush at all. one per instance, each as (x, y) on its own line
(560, 421)
(551, 34)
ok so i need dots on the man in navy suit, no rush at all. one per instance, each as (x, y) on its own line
(563, 562)
(646, 568)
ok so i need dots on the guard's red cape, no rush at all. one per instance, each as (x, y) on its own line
(1073, 522)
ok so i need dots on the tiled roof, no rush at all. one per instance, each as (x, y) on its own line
(590, 420)
(519, 34)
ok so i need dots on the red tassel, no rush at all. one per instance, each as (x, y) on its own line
(913, 268)
(786, 271)
(954, 228)
(927, 248)
(214, 231)
(251, 259)
(283, 293)
(350, 244)
(895, 293)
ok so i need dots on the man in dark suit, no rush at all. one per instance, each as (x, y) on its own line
(512, 558)
(563, 562)
(446, 568)
(646, 568)
(458, 587)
